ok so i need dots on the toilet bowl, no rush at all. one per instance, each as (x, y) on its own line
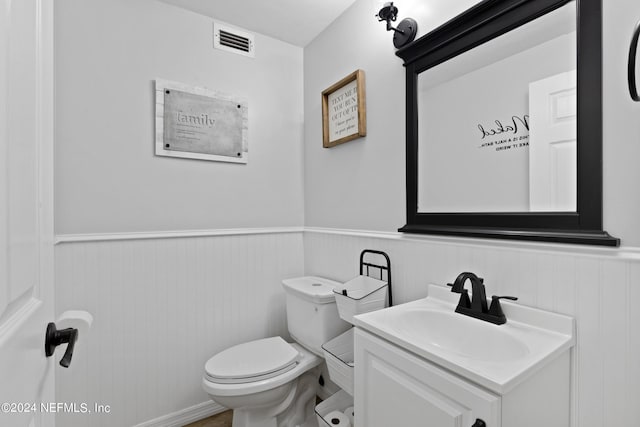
(270, 382)
(264, 393)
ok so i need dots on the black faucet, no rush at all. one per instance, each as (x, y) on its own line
(477, 306)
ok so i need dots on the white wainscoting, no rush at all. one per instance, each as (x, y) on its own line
(599, 287)
(162, 305)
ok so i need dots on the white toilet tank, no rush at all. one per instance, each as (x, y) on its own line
(312, 313)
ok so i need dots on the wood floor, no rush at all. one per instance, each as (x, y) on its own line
(222, 419)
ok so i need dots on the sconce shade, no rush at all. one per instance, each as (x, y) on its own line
(388, 12)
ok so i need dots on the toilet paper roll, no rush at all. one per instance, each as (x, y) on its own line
(78, 319)
(337, 419)
(349, 413)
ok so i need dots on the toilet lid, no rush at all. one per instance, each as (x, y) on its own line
(252, 361)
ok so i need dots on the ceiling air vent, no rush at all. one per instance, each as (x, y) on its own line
(233, 40)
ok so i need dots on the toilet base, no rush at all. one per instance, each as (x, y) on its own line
(296, 410)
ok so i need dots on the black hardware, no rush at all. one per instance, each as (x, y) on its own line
(464, 300)
(496, 309)
(458, 284)
(485, 21)
(406, 30)
(458, 287)
(388, 13)
(633, 50)
(55, 337)
(479, 423)
(477, 307)
(381, 268)
(405, 33)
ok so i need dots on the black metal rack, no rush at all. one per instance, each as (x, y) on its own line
(381, 268)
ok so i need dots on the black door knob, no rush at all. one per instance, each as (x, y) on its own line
(55, 337)
(479, 423)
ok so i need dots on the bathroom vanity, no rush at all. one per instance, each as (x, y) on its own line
(421, 363)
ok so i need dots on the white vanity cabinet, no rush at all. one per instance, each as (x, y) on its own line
(395, 387)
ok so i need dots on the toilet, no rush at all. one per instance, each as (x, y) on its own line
(270, 382)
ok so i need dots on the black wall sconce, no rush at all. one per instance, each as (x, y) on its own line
(406, 30)
(633, 50)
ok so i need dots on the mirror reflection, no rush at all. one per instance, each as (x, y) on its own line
(497, 124)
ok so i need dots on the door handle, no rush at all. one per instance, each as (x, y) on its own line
(633, 52)
(479, 423)
(55, 337)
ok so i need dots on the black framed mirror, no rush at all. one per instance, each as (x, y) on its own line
(504, 124)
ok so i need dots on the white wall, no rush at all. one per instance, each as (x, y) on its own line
(621, 125)
(361, 186)
(374, 166)
(164, 305)
(108, 53)
(596, 286)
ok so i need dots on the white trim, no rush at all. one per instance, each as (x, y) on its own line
(103, 237)
(185, 416)
(15, 321)
(45, 288)
(622, 253)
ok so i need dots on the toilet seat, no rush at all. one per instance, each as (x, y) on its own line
(252, 361)
(307, 361)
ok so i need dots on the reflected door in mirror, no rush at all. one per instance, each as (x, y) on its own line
(481, 112)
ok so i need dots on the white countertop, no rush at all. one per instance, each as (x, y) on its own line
(498, 357)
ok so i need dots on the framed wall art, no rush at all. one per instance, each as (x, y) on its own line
(199, 123)
(344, 114)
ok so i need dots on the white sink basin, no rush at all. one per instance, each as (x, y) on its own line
(462, 335)
(496, 356)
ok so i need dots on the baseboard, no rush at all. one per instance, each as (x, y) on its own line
(185, 416)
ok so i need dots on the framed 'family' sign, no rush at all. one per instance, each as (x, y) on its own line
(199, 123)
(344, 115)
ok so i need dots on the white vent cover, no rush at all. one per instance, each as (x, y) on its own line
(233, 40)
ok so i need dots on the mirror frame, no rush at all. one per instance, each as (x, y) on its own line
(479, 24)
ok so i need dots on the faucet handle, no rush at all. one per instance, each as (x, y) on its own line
(464, 300)
(496, 309)
(494, 297)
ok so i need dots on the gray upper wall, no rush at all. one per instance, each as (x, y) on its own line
(108, 180)
(361, 184)
(108, 53)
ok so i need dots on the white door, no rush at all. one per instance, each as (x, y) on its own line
(553, 144)
(26, 218)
